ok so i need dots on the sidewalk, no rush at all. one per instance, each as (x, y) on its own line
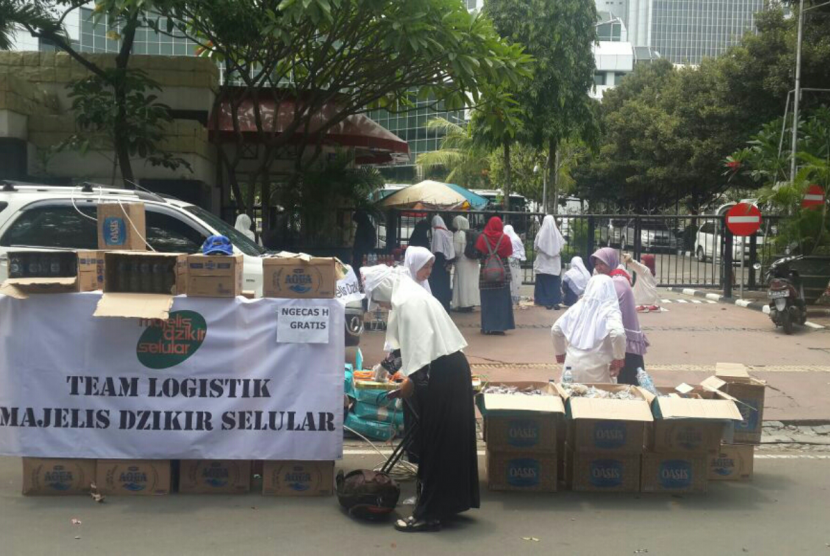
(687, 340)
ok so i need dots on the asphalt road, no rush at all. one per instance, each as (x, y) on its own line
(784, 510)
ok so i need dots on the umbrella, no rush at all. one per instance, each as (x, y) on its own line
(434, 193)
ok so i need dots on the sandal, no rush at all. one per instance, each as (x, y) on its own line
(412, 525)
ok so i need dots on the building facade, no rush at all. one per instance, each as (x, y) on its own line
(614, 55)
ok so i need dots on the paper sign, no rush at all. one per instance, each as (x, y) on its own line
(303, 324)
(348, 289)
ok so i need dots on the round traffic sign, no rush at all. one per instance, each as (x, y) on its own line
(813, 197)
(743, 219)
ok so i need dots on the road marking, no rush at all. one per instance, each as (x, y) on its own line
(814, 325)
(713, 296)
(666, 300)
(387, 453)
(743, 302)
(681, 301)
(710, 301)
(696, 301)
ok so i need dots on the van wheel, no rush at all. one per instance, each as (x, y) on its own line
(701, 256)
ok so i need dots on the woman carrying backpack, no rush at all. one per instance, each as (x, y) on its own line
(548, 265)
(465, 280)
(494, 279)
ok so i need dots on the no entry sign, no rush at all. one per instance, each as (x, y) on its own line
(813, 197)
(743, 219)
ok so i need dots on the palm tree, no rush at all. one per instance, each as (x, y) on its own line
(466, 163)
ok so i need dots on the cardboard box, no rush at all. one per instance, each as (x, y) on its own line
(521, 471)
(203, 476)
(604, 472)
(52, 476)
(298, 478)
(300, 276)
(133, 477)
(733, 462)
(41, 272)
(734, 380)
(674, 473)
(140, 284)
(214, 276)
(121, 226)
(694, 424)
(606, 425)
(517, 423)
(90, 271)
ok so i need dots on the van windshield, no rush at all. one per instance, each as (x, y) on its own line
(239, 239)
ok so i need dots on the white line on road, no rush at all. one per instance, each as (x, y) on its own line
(696, 301)
(814, 325)
(681, 301)
(710, 301)
(666, 300)
(360, 452)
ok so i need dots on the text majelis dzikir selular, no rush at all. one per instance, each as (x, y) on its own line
(167, 420)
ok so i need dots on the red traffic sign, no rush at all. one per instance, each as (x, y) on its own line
(743, 219)
(813, 197)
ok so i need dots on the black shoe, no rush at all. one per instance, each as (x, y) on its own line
(548, 307)
(556, 307)
(411, 525)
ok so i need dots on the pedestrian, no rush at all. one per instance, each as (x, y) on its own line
(574, 281)
(516, 258)
(494, 279)
(605, 262)
(365, 238)
(432, 360)
(548, 265)
(465, 294)
(419, 236)
(444, 251)
(646, 297)
(243, 226)
(589, 339)
(419, 262)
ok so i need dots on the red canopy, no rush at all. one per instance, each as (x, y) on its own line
(356, 131)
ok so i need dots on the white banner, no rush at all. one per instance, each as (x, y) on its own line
(348, 289)
(210, 383)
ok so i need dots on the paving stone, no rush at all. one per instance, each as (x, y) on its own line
(823, 429)
(773, 424)
(807, 439)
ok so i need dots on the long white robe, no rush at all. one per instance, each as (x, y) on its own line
(645, 287)
(465, 278)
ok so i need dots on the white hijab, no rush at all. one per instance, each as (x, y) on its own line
(442, 238)
(578, 274)
(243, 224)
(585, 324)
(414, 260)
(518, 244)
(549, 241)
(418, 324)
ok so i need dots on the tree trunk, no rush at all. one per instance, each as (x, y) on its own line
(507, 177)
(120, 139)
(553, 176)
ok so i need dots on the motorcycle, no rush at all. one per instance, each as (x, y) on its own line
(787, 306)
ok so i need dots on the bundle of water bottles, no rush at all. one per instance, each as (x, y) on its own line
(643, 380)
(371, 413)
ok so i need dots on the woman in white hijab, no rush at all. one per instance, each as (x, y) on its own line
(548, 265)
(589, 339)
(419, 261)
(465, 294)
(444, 251)
(515, 259)
(437, 370)
(243, 225)
(574, 281)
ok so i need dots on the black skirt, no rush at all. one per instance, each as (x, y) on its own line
(448, 468)
(439, 281)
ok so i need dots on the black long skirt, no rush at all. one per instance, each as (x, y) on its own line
(548, 290)
(497, 310)
(439, 281)
(448, 468)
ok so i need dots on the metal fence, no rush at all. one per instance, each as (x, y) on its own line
(689, 251)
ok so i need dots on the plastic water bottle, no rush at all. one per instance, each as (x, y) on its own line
(644, 380)
(567, 376)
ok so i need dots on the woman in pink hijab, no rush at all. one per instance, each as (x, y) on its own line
(606, 261)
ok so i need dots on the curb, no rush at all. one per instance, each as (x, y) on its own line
(746, 304)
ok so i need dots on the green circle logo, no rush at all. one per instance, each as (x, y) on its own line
(166, 343)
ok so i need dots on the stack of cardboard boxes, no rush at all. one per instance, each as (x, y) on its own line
(734, 459)
(522, 440)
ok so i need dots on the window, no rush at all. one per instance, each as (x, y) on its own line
(168, 234)
(599, 79)
(618, 76)
(54, 227)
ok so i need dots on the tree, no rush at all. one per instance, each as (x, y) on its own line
(341, 57)
(131, 118)
(559, 35)
(464, 162)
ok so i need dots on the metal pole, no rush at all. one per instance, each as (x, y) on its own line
(545, 186)
(743, 253)
(797, 93)
(784, 124)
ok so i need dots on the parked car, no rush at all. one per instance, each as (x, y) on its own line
(656, 235)
(50, 218)
(708, 243)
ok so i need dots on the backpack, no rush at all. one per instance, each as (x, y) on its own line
(367, 494)
(470, 250)
(492, 271)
